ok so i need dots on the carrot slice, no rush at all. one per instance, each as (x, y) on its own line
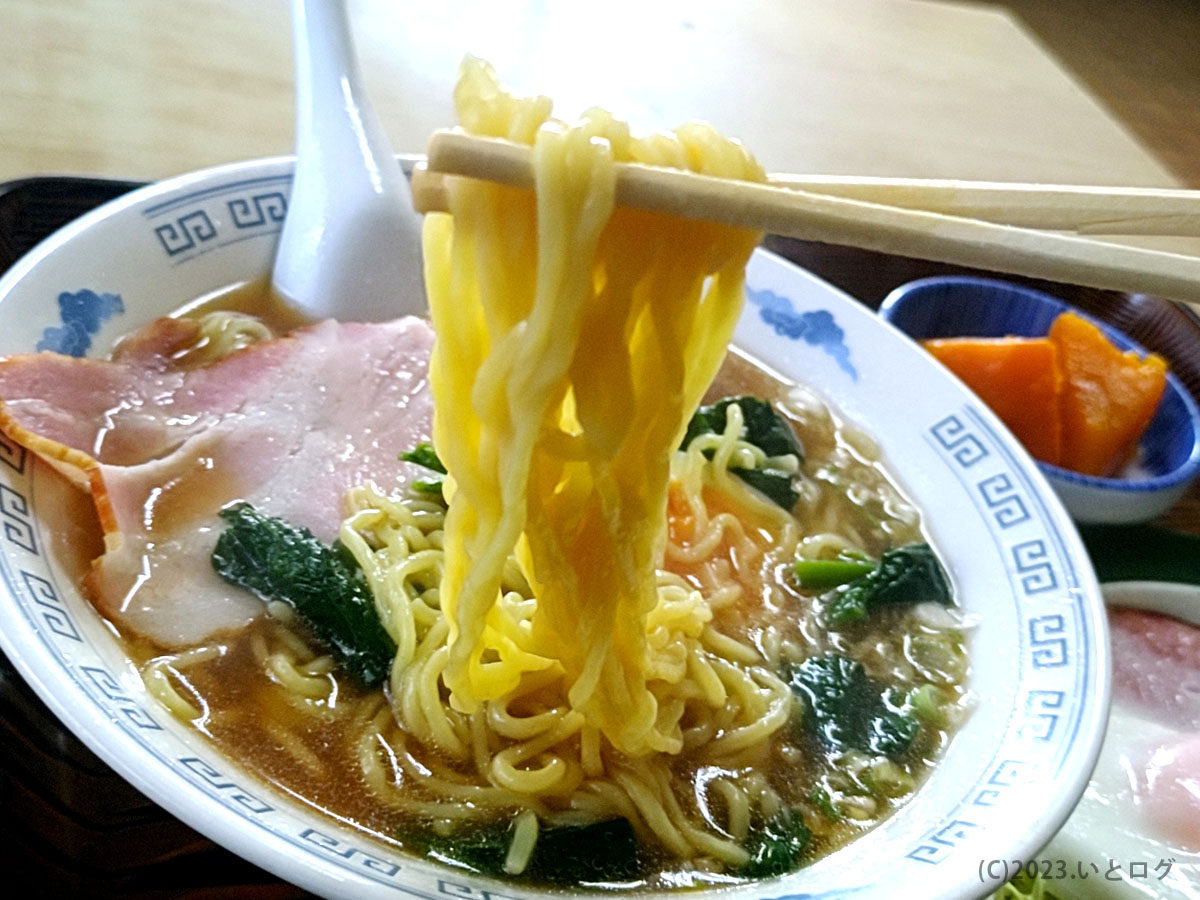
(1019, 378)
(1108, 396)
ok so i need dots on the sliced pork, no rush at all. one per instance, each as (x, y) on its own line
(288, 425)
(1156, 677)
(1156, 666)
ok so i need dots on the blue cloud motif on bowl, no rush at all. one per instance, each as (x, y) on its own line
(82, 314)
(816, 327)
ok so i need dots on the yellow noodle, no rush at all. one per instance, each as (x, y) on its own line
(524, 420)
(283, 669)
(221, 333)
(737, 807)
(525, 834)
(526, 748)
(706, 842)
(163, 673)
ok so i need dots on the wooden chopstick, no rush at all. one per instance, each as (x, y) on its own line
(1084, 209)
(868, 225)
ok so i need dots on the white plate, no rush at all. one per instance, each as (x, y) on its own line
(1107, 851)
(1040, 664)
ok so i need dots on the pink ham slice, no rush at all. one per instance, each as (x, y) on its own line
(1156, 666)
(1156, 673)
(288, 425)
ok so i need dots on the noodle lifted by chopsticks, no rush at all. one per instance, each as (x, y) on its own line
(574, 342)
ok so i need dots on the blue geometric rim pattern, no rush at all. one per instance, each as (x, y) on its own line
(1046, 588)
(1045, 591)
(208, 219)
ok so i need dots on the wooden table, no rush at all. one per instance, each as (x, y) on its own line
(142, 89)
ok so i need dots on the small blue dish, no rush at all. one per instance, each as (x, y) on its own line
(1169, 452)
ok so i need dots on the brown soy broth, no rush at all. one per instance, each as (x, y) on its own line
(309, 749)
(276, 736)
(252, 298)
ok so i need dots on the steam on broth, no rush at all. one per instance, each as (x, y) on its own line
(714, 642)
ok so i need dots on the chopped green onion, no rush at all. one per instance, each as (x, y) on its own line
(823, 574)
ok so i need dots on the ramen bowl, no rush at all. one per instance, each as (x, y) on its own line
(1039, 678)
(1168, 458)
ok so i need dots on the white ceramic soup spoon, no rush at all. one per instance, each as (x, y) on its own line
(350, 247)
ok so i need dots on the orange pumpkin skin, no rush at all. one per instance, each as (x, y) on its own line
(1018, 378)
(1108, 397)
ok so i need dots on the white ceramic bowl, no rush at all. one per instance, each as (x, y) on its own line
(1040, 666)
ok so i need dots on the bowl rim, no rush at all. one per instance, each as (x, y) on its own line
(1183, 473)
(274, 854)
(1169, 598)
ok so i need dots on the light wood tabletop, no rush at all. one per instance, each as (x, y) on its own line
(144, 89)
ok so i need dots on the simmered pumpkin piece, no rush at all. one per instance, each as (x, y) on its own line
(1018, 378)
(1109, 396)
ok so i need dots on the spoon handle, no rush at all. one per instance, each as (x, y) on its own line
(349, 245)
(329, 88)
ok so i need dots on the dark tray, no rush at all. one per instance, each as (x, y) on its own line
(78, 829)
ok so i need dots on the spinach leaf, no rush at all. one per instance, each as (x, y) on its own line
(424, 455)
(763, 427)
(909, 574)
(849, 710)
(776, 484)
(603, 853)
(481, 849)
(569, 855)
(819, 797)
(777, 846)
(278, 561)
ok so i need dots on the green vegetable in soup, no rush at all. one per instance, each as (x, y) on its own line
(819, 797)
(775, 484)
(909, 574)
(848, 709)
(603, 853)
(823, 574)
(569, 855)
(323, 584)
(764, 428)
(425, 456)
(482, 849)
(777, 846)
(928, 704)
